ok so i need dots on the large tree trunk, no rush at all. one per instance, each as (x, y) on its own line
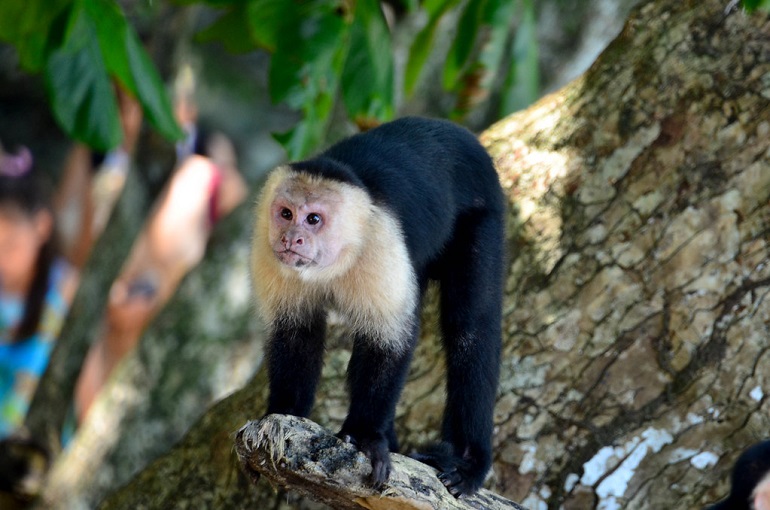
(637, 301)
(638, 314)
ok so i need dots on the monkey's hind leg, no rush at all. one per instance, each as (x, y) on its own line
(471, 303)
(376, 375)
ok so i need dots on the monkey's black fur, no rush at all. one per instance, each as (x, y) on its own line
(441, 185)
(750, 468)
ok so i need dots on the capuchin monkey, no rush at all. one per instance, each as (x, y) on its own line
(750, 481)
(360, 229)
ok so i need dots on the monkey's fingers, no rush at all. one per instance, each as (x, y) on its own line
(459, 476)
(379, 453)
(455, 483)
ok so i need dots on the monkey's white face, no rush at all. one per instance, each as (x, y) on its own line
(314, 226)
(322, 242)
(298, 232)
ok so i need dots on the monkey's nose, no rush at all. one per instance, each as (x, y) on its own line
(289, 241)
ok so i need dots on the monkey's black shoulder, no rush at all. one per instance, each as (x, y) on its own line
(411, 158)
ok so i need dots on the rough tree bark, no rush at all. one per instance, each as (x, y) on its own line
(637, 304)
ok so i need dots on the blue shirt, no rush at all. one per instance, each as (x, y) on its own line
(23, 362)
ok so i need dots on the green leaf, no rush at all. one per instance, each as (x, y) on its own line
(12, 19)
(437, 8)
(367, 78)
(523, 81)
(232, 29)
(497, 15)
(99, 45)
(464, 42)
(79, 88)
(753, 5)
(128, 62)
(307, 135)
(213, 3)
(418, 55)
(80, 44)
(248, 25)
(423, 42)
(33, 27)
(480, 64)
(308, 40)
(149, 89)
(311, 39)
(263, 25)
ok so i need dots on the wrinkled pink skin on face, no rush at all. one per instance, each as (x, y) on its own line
(294, 248)
(301, 231)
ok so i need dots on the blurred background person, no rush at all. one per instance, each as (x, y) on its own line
(36, 286)
(205, 186)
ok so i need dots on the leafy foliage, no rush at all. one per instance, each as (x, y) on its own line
(482, 47)
(420, 50)
(81, 46)
(322, 51)
(319, 48)
(325, 48)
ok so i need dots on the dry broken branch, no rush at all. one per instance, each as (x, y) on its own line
(298, 454)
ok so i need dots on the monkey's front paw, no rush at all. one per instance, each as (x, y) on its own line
(378, 452)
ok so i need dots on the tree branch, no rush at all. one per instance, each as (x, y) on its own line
(297, 453)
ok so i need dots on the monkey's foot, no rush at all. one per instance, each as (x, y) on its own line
(461, 476)
(376, 448)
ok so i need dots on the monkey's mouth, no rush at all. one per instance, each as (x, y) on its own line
(292, 258)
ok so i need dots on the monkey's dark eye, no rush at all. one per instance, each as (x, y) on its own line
(286, 214)
(313, 218)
